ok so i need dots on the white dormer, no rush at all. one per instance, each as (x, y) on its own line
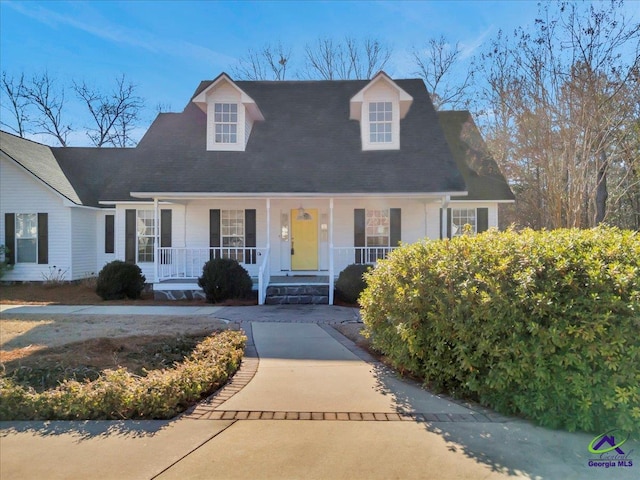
(379, 107)
(230, 114)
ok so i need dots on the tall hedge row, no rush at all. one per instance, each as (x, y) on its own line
(543, 324)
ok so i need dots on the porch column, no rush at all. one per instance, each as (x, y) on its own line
(331, 281)
(156, 240)
(268, 223)
(443, 216)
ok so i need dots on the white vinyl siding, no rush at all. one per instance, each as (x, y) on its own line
(83, 242)
(22, 193)
(380, 124)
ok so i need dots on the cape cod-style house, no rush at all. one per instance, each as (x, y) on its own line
(294, 179)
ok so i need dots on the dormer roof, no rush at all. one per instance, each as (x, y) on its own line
(223, 79)
(355, 109)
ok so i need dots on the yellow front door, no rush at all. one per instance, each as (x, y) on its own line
(304, 239)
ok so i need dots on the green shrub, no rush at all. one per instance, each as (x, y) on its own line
(223, 279)
(119, 279)
(351, 283)
(4, 262)
(540, 324)
(119, 394)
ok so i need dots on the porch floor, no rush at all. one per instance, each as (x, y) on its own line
(275, 280)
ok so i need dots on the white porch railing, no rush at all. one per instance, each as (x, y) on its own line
(343, 256)
(264, 275)
(187, 263)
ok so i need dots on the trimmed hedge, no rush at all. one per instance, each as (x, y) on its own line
(350, 283)
(118, 394)
(543, 324)
(223, 279)
(119, 279)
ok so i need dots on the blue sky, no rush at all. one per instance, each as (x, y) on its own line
(167, 47)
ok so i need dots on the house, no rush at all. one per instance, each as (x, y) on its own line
(294, 179)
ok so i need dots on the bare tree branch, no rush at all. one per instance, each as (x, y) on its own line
(49, 100)
(329, 59)
(14, 91)
(114, 114)
(439, 66)
(270, 63)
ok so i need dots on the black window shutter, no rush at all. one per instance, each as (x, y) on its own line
(482, 219)
(165, 235)
(43, 238)
(214, 232)
(109, 234)
(10, 238)
(165, 228)
(359, 237)
(130, 236)
(395, 220)
(250, 235)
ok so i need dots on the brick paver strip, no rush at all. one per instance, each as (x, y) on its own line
(210, 409)
(349, 416)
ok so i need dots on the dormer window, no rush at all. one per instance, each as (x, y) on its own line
(379, 107)
(230, 112)
(226, 122)
(380, 115)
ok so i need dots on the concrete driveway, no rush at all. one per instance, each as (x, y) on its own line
(307, 403)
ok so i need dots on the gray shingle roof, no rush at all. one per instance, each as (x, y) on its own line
(306, 145)
(480, 171)
(40, 162)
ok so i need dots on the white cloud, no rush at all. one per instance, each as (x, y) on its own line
(121, 35)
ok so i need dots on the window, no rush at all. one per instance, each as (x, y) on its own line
(232, 234)
(380, 122)
(146, 235)
(226, 122)
(377, 233)
(26, 237)
(461, 217)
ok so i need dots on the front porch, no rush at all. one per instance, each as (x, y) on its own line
(179, 269)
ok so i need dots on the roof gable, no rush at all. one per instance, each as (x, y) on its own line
(355, 108)
(39, 161)
(200, 99)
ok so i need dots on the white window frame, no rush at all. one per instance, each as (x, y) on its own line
(461, 217)
(377, 225)
(233, 233)
(30, 235)
(225, 123)
(381, 122)
(145, 236)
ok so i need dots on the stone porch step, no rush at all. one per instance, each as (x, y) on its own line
(297, 294)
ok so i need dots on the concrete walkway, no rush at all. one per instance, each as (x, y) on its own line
(307, 403)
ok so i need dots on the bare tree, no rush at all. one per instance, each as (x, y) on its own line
(269, 63)
(16, 103)
(114, 114)
(48, 99)
(441, 67)
(559, 98)
(329, 59)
